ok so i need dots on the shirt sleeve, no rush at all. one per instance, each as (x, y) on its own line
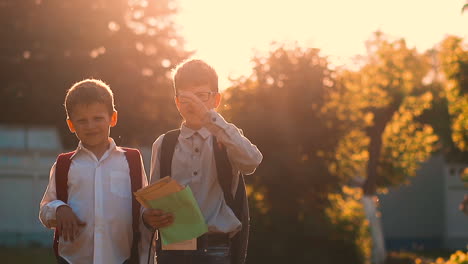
(243, 155)
(49, 202)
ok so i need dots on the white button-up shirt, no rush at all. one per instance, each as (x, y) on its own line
(193, 164)
(99, 193)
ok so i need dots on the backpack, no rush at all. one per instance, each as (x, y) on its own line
(238, 203)
(134, 163)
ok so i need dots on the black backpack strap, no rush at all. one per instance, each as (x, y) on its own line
(224, 171)
(238, 203)
(133, 157)
(167, 152)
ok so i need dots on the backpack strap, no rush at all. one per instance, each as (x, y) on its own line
(238, 202)
(224, 171)
(167, 152)
(133, 157)
(62, 166)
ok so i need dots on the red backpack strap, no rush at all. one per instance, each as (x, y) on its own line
(62, 166)
(134, 163)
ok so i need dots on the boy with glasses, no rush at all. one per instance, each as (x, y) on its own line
(195, 158)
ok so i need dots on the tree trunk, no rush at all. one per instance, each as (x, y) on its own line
(373, 216)
(370, 198)
(381, 118)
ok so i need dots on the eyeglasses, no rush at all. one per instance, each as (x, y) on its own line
(203, 96)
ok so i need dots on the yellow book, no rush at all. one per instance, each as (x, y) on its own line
(158, 189)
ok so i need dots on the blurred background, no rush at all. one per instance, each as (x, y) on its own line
(360, 109)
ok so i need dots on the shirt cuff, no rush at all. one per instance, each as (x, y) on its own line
(53, 208)
(215, 122)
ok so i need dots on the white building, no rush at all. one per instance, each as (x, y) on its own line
(26, 155)
(425, 214)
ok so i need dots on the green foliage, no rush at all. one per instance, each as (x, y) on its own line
(384, 99)
(347, 220)
(458, 257)
(453, 56)
(51, 44)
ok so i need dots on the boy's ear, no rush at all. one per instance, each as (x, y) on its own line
(114, 119)
(217, 100)
(70, 125)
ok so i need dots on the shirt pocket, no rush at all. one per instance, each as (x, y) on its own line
(120, 184)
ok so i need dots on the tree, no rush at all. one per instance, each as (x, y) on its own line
(385, 98)
(51, 44)
(290, 192)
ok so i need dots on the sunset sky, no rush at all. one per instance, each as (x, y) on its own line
(226, 33)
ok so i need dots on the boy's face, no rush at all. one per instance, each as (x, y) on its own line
(188, 110)
(91, 123)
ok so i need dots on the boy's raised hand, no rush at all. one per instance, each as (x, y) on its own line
(157, 218)
(198, 108)
(68, 224)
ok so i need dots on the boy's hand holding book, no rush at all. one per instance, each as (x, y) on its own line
(171, 208)
(67, 223)
(157, 218)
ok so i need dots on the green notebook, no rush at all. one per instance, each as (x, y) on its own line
(188, 220)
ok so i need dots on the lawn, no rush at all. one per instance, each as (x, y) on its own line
(36, 255)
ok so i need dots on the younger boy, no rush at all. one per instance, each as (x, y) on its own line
(195, 163)
(90, 202)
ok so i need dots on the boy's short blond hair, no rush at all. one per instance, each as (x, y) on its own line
(87, 92)
(194, 72)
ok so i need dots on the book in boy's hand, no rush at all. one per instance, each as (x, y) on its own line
(168, 195)
(158, 189)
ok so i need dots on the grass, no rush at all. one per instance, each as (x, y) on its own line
(36, 255)
(40, 255)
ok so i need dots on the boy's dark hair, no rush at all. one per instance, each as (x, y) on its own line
(194, 72)
(87, 92)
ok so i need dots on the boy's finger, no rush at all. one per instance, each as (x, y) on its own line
(80, 223)
(77, 230)
(168, 222)
(71, 233)
(164, 217)
(155, 212)
(65, 233)
(59, 227)
(69, 229)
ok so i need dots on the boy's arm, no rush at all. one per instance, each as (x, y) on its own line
(241, 152)
(49, 203)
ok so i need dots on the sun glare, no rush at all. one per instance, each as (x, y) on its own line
(227, 33)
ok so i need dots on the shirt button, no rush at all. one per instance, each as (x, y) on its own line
(195, 173)
(213, 119)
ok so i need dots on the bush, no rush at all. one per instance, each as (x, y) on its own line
(458, 257)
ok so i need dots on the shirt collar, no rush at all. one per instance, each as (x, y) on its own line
(112, 147)
(186, 132)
